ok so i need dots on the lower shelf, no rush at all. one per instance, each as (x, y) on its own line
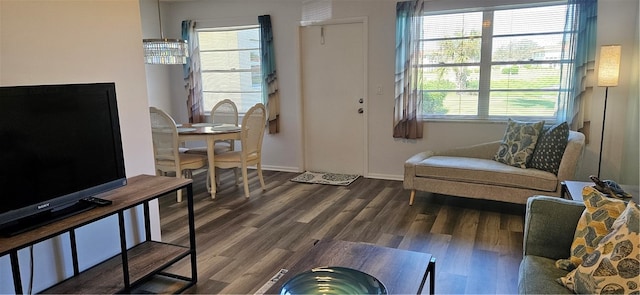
(145, 260)
(159, 284)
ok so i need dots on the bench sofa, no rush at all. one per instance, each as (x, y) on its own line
(549, 227)
(471, 172)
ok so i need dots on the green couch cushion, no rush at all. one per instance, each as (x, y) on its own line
(538, 276)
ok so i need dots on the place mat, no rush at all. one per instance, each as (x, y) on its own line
(325, 178)
(183, 129)
(205, 124)
(226, 128)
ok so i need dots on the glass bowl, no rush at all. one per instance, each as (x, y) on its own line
(333, 280)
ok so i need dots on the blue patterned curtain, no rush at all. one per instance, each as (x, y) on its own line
(579, 45)
(191, 74)
(407, 116)
(270, 94)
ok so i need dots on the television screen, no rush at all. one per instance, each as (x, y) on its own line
(58, 144)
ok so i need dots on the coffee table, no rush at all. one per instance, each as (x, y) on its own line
(401, 271)
(573, 190)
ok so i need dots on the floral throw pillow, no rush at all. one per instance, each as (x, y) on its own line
(518, 143)
(550, 148)
(594, 224)
(614, 266)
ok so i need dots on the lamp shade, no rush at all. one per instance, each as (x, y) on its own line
(609, 67)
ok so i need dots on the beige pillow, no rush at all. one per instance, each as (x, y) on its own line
(614, 266)
(594, 224)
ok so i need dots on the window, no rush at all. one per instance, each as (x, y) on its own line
(230, 66)
(494, 64)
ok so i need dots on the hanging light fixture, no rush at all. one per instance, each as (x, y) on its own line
(165, 51)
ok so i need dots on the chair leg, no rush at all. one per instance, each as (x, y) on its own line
(235, 173)
(208, 182)
(259, 166)
(245, 179)
(413, 195)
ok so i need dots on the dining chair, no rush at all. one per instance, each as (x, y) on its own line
(250, 153)
(223, 112)
(166, 149)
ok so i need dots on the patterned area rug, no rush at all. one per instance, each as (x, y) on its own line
(326, 178)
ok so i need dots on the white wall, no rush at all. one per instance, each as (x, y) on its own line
(387, 155)
(74, 41)
(620, 138)
(631, 170)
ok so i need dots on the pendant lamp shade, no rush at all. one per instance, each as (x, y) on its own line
(165, 51)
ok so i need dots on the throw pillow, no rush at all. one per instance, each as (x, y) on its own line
(550, 148)
(594, 224)
(518, 143)
(614, 267)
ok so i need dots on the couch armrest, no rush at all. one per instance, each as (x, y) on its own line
(410, 168)
(571, 157)
(549, 226)
(480, 151)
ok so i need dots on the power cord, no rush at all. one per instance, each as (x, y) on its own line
(31, 270)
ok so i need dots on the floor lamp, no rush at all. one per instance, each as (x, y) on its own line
(608, 72)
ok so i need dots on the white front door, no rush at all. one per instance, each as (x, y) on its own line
(333, 92)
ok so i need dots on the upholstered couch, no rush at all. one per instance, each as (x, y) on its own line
(550, 224)
(471, 172)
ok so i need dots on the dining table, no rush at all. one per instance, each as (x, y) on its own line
(209, 132)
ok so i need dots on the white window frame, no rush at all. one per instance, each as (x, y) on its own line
(485, 64)
(241, 110)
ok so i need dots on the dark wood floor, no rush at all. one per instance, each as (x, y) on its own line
(242, 243)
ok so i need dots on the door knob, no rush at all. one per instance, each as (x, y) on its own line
(361, 100)
(360, 111)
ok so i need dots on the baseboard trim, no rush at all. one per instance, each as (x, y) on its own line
(385, 176)
(298, 170)
(281, 168)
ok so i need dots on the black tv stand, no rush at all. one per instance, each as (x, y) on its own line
(34, 221)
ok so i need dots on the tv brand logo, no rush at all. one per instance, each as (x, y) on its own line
(43, 206)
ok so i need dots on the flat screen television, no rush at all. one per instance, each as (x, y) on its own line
(59, 144)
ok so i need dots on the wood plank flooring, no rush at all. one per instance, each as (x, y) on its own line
(242, 243)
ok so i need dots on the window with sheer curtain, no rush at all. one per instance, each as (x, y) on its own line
(230, 66)
(494, 64)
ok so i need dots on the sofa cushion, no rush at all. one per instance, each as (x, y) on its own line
(485, 171)
(537, 275)
(518, 143)
(550, 148)
(594, 224)
(614, 266)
